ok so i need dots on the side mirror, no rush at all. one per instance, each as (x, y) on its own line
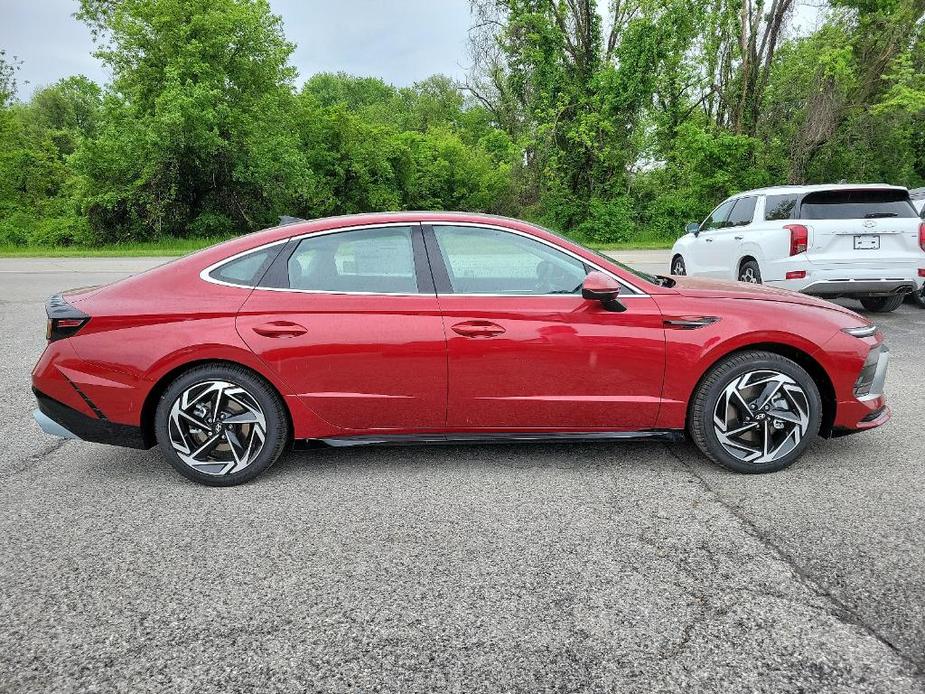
(604, 288)
(692, 228)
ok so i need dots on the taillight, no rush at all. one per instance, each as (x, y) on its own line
(63, 319)
(922, 236)
(799, 238)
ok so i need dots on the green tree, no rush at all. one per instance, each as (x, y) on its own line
(194, 134)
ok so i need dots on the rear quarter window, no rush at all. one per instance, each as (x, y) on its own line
(778, 207)
(247, 270)
(857, 204)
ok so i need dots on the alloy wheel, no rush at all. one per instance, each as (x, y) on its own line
(761, 416)
(678, 267)
(748, 275)
(217, 427)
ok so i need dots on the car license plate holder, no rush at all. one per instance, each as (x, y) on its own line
(867, 242)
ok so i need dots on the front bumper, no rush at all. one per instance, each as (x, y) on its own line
(864, 412)
(60, 420)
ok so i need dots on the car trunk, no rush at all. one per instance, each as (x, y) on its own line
(870, 227)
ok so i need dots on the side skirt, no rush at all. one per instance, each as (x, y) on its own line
(671, 435)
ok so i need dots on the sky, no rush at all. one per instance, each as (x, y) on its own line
(401, 41)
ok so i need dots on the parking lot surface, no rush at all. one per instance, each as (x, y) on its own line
(605, 567)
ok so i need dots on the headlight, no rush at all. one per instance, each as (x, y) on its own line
(861, 331)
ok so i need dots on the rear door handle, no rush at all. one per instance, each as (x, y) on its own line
(477, 328)
(709, 240)
(738, 238)
(280, 328)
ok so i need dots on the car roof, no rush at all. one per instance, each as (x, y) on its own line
(801, 190)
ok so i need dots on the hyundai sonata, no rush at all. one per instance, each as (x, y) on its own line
(435, 327)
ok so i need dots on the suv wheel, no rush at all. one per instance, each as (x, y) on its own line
(221, 425)
(917, 298)
(755, 412)
(750, 272)
(882, 304)
(677, 266)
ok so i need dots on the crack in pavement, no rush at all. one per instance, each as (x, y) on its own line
(24, 463)
(839, 609)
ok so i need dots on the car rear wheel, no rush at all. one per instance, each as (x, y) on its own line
(882, 304)
(221, 425)
(755, 412)
(677, 266)
(750, 272)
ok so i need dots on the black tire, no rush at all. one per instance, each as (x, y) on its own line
(750, 272)
(269, 401)
(917, 298)
(882, 304)
(677, 266)
(711, 388)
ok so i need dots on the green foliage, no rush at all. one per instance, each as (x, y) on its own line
(615, 129)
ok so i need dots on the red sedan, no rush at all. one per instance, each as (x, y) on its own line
(427, 327)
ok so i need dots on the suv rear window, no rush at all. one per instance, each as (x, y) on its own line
(856, 204)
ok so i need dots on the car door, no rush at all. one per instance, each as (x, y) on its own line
(705, 259)
(526, 351)
(349, 319)
(729, 238)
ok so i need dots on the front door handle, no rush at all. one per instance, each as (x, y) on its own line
(477, 328)
(738, 238)
(709, 240)
(280, 328)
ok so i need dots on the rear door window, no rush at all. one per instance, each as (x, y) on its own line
(366, 261)
(857, 204)
(742, 213)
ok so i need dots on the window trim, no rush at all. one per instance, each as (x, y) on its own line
(425, 282)
(206, 274)
(441, 275)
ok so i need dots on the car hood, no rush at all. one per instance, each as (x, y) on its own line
(702, 287)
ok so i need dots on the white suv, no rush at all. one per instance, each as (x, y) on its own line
(861, 241)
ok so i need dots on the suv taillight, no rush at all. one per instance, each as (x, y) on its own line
(799, 238)
(63, 319)
(922, 236)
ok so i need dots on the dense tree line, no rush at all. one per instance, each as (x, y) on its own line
(614, 125)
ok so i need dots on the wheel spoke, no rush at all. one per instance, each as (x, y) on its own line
(761, 416)
(217, 427)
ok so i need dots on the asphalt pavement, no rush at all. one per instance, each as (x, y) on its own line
(605, 567)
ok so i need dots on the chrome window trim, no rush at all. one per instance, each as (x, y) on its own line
(204, 274)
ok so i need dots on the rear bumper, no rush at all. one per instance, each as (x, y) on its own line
(847, 281)
(60, 420)
(845, 287)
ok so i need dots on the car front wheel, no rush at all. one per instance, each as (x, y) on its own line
(755, 412)
(882, 304)
(221, 425)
